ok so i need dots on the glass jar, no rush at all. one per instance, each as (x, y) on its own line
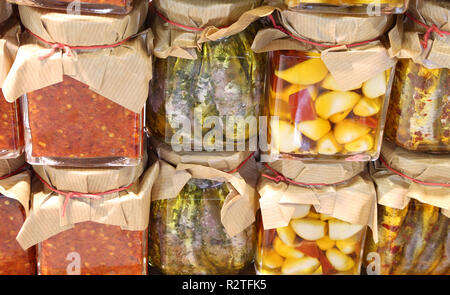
(312, 244)
(13, 259)
(92, 248)
(87, 6)
(412, 241)
(419, 111)
(369, 7)
(67, 124)
(221, 89)
(11, 129)
(187, 236)
(311, 118)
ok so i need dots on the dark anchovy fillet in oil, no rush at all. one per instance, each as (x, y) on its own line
(187, 235)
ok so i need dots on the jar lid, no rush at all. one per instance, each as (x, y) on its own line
(85, 29)
(223, 161)
(432, 12)
(317, 171)
(8, 166)
(335, 29)
(421, 166)
(90, 180)
(204, 13)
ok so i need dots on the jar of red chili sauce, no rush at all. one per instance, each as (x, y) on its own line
(14, 205)
(85, 107)
(11, 138)
(90, 221)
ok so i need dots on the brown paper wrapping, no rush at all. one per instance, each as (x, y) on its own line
(349, 66)
(121, 74)
(9, 43)
(353, 201)
(86, 29)
(17, 187)
(238, 210)
(317, 172)
(406, 36)
(396, 191)
(6, 10)
(217, 18)
(128, 209)
(7, 166)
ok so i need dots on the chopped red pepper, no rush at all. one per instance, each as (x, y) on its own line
(302, 106)
(309, 248)
(391, 227)
(368, 121)
(327, 268)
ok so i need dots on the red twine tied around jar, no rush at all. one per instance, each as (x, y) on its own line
(430, 29)
(180, 25)
(21, 169)
(279, 177)
(241, 165)
(70, 195)
(68, 49)
(410, 178)
(280, 28)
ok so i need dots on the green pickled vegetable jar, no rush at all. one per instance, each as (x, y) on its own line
(207, 83)
(187, 236)
(221, 89)
(202, 217)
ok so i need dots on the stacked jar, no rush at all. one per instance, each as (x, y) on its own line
(14, 179)
(11, 138)
(14, 209)
(203, 212)
(328, 83)
(412, 179)
(314, 218)
(203, 114)
(82, 77)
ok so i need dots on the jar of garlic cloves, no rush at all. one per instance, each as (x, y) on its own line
(327, 88)
(309, 228)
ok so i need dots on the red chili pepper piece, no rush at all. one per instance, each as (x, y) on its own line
(327, 268)
(368, 121)
(302, 106)
(391, 227)
(309, 248)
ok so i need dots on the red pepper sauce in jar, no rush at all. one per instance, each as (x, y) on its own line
(92, 248)
(13, 259)
(11, 127)
(68, 120)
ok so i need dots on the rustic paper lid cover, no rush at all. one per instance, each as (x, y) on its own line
(333, 29)
(17, 187)
(408, 35)
(353, 201)
(6, 10)
(93, 180)
(85, 29)
(224, 161)
(432, 12)
(9, 44)
(7, 166)
(204, 13)
(433, 168)
(317, 172)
